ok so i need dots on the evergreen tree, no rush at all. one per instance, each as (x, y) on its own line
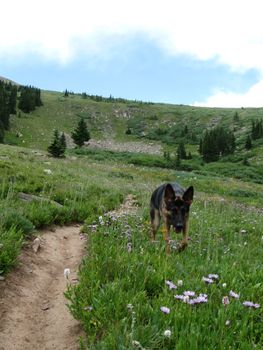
(30, 98)
(248, 144)
(63, 142)
(215, 143)
(81, 133)
(236, 118)
(181, 151)
(57, 147)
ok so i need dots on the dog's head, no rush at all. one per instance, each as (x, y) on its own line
(178, 206)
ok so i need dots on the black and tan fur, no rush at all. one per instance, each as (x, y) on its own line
(171, 203)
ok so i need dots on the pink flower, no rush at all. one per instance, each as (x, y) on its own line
(234, 295)
(165, 309)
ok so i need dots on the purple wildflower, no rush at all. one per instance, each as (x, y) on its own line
(234, 295)
(251, 304)
(165, 309)
(189, 293)
(202, 298)
(170, 284)
(207, 280)
(179, 297)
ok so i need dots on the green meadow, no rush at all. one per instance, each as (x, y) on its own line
(131, 294)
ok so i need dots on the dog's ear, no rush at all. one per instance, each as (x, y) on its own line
(169, 194)
(188, 195)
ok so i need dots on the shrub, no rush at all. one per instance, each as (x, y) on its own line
(18, 221)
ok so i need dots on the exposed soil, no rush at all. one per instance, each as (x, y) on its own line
(33, 311)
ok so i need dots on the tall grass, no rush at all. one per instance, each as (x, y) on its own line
(123, 284)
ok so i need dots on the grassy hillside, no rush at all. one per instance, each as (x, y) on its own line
(123, 279)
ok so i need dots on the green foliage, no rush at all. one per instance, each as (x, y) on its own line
(215, 143)
(257, 129)
(30, 98)
(248, 144)
(122, 283)
(58, 146)
(8, 94)
(13, 219)
(10, 245)
(81, 133)
(181, 152)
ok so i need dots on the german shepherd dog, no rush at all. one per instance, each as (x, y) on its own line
(171, 203)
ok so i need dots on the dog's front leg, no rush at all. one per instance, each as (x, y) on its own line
(184, 242)
(166, 237)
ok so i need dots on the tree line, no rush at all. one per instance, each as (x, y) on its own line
(215, 143)
(28, 98)
(8, 97)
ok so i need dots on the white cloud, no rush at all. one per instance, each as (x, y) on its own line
(228, 31)
(232, 30)
(252, 98)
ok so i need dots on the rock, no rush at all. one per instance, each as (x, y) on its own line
(36, 244)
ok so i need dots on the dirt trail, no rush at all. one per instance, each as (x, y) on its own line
(33, 312)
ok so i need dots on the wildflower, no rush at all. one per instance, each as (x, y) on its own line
(213, 276)
(167, 333)
(186, 299)
(101, 220)
(66, 273)
(179, 283)
(88, 308)
(227, 322)
(179, 297)
(234, 295)
(225, 300)
(189, 293)
(129, 247)
(207, 280)
(251, 304)
(165, 309)
(170, 284)
(243, 231)
(202, 298)
(47, 171)
(129, 306)
(224, 285)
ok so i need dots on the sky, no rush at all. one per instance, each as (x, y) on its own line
(193, 52)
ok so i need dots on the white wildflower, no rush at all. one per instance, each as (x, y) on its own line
(167, 333)
(67, 273)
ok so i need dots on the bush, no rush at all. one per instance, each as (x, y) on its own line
(18, 221)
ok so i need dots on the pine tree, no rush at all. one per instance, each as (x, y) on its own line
(63, 142)
(248, 144)
(57, 147)
(181, 151)
(81, 133)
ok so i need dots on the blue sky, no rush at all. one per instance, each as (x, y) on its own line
(194, 54)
